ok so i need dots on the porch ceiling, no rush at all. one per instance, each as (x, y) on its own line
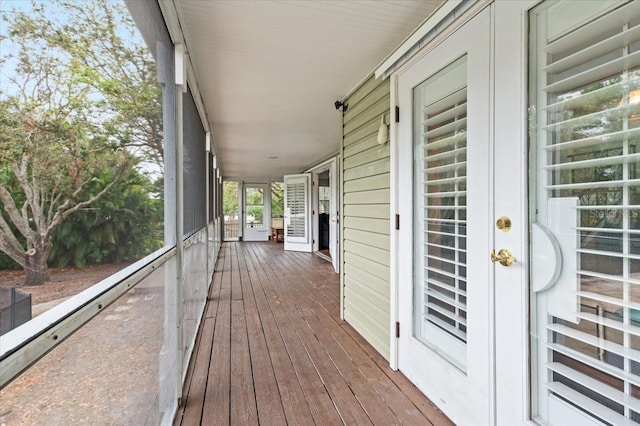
(270, 71)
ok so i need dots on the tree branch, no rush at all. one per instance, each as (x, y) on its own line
(17, 256)
(12, 210)
(64, 210)
(8, 235)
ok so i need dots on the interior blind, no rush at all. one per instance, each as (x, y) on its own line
(296, 203)
(585, 114)
(441, 190)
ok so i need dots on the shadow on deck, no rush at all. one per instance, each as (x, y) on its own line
(272, 350)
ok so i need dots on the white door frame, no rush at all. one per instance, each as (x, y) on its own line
(460, 382)
(510, 43)
(334, 226)
(263, 233)
(302, 242)
(511, 298)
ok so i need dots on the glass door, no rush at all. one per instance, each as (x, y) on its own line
(445, 194)
(257, 216)
(585, 211)
(297, 213)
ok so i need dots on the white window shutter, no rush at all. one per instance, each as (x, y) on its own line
(297, 213)
(585, 130)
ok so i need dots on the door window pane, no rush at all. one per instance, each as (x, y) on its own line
(440, 159)
(585, 135)
(255, 207)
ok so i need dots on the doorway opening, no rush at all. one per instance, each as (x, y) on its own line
(277, 212)
(323, 217)
(311, 212)
(256, 206)
(231, 211)
(324, 196)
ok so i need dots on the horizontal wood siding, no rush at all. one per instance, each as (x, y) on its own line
(365, 185)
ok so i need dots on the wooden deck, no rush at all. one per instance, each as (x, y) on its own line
(272, 350)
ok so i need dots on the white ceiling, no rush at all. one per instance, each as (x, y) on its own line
(269, 72)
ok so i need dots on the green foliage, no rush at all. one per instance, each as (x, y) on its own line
(79, 108)
(7, 264)
(255, 212)
(124, 224)
(96, 43)
(277, 199)
(8, 179)
(230, 198)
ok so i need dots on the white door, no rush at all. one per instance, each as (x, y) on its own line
(445, 344)
(333, 218)
(585, 211)
(297, 213)
(257, 212)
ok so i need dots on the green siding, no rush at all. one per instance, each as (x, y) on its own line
(365, 233)
(376, 211)
(371, 169)
(379, 196)
(368, 156)
(373, 226)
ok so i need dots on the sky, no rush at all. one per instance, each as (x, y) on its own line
(7, 66)
(8, 48)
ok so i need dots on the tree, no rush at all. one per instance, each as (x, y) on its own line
(103, 51)
(230, 198)
(51, 161)
(277, 199)
(113, 228)
(53, 148)
(100, 35)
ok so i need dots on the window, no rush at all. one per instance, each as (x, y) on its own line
(585, 135)
(440, 183)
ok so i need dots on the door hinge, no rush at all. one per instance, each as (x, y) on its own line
(397, 330)
(397, 222)
(397, 114)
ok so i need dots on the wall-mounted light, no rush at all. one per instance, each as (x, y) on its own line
(207, 144)
(341, 106)
(383, 131)
(215, 162)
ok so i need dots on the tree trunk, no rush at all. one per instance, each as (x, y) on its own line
(37, 269)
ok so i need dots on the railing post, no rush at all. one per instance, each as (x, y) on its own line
(12, 309)
(181, 87)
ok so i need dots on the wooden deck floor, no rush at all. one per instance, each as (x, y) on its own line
(272, 350)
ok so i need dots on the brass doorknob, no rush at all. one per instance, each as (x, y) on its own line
(503, 223)
(504, 256)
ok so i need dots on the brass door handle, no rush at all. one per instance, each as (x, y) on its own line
(504, 256)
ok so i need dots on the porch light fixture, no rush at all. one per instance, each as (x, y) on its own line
(341, 106)
(383, 131)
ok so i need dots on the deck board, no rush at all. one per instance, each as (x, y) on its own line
(272, 350)
(296, 408)
(289, 321)
(217, 395)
